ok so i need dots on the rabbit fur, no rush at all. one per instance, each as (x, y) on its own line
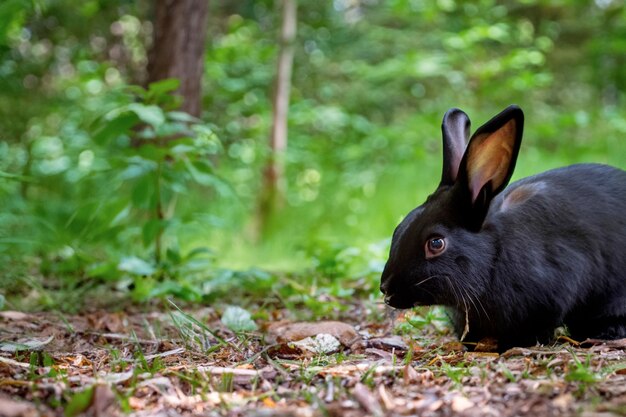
(514, 263)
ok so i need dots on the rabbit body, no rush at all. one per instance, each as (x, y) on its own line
(514, 263)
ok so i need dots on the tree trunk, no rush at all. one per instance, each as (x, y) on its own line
(178, 48)
(272, 194)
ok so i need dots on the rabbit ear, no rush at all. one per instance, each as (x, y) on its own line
(490, 157)
(455, 129)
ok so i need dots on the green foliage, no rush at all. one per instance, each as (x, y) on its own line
(238, 319)
(417, 321)
(79, 402)
(105, 182)
(581, 371)
(367, 103)
(120, 187)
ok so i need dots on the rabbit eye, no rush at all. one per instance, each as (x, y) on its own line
(435, 247)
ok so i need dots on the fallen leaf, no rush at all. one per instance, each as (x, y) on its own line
(563, 338)
(286, 351)
(453, 347)
(366, 398)
(466, 328)
(137, 403)
(109, 322)
(410, 374)
(429, 402)
(487, 344)
(290, 332)
(382, 353)
(388, 343)
(617, 343)
(25, 344)
(268, 402)
(563, 401)
(14, 315)
(116, 378)
(386, 398)
(351, 369)
(12, 408)
(240, 376)
(460, 404)
(104, 402)
(176, 351)
(516, 352)
(321, 343)
(13, 362)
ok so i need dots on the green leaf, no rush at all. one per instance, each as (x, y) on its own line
(238, 319)
(199, 251)
(173, 129)
(151, 229)
(135, 266)
(137, 167)
(115, 127)
(105, 270)
(173, 255)
(150, 114)
(163, 86)
(143, 191)
(182, 291)
(12, 14)
(79, 402)
(181, 116)
(203, 178)
(152, 153)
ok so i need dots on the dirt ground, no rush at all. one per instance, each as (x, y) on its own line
(174, 364)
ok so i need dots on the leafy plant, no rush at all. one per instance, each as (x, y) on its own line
(238, 319)
(581, 371)
(158, 153)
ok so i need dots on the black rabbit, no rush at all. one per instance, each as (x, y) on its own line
(514, 263)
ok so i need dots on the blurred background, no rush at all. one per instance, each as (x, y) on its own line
(114, 171)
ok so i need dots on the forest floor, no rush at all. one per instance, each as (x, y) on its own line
(177, 363)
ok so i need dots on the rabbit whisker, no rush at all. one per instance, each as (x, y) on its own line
(469, 294)
(453, 289)
(458, 291)
(466, 309)
(472, 292)
(424, 280)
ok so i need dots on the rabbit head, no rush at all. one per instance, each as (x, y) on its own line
(442, 251)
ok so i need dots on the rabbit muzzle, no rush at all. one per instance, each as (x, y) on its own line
(396, 294)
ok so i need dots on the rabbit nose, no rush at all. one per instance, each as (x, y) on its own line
(384, 284)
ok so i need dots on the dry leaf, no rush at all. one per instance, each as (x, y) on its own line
(487, 344)
(14, 315)
(12, 408)
(410, 374)
(366, 398)
(290, 332)
(563, 401)
(25, 344)
(386, 398)
(321, 343)
(460, 404)
(466, 328)
(388, 343)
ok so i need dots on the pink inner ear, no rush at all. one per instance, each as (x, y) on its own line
(489, 158)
